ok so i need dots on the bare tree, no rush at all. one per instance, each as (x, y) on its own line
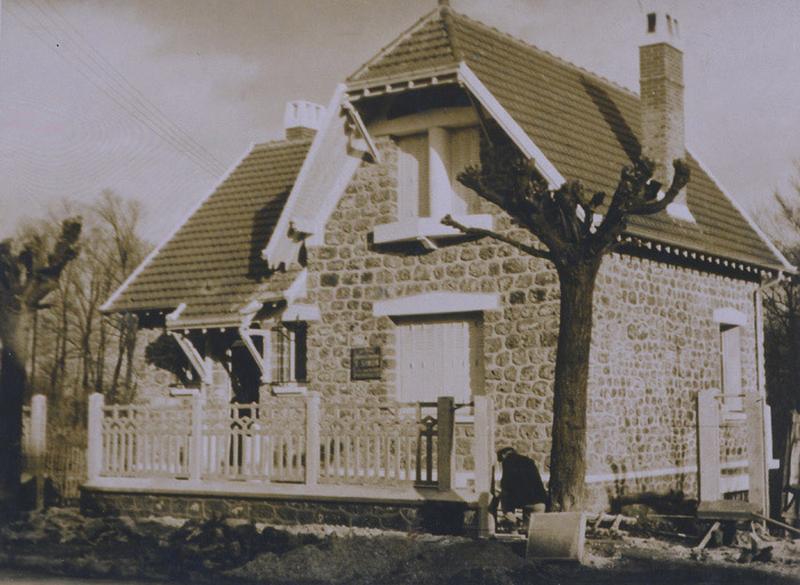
(27, 276)
(782, 328)
(563, 220)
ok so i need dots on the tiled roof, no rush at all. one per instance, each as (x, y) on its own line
(213, 262)
(585, 125)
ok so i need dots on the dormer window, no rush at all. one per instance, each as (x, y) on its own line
(428, 167)
(433, 148)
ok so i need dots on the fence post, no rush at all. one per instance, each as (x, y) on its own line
(38, 444)
(708, 467)
(484, 452)
(312, 438)
(445, 427)
(757, 464)
(94, 448)
(196, 449)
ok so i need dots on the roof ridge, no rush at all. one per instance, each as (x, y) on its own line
(446, 15)
(548, 54)
(394, 43)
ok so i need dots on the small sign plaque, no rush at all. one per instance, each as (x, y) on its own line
(365, 363)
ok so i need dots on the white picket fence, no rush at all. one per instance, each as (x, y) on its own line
(284, 439)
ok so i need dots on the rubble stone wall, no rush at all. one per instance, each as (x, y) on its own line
(655, 344)
(445, 517)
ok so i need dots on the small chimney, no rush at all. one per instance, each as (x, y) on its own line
(661, 87)
(302, 119)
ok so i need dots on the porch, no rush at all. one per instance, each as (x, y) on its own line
(294, 448)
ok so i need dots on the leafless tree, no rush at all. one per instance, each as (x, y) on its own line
(27, 275)
(563, 220)
(782, 327)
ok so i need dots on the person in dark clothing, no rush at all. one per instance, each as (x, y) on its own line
(521, 485)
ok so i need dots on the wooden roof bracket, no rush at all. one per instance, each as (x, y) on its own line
(193, 355)
(358, 123)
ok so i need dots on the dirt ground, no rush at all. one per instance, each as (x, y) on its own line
(62, 542)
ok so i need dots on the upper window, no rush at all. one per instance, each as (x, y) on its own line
(438, 357)
(428, 165)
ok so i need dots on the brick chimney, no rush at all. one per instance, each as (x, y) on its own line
(302, 119)
(661, 88)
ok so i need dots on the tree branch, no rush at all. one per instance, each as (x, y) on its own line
(679, 180)
(472, 231)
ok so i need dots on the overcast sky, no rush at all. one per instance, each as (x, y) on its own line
(155, 99)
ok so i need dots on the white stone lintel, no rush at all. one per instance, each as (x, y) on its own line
(730, 316)
(436, 303)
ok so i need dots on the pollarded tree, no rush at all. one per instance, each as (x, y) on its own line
(564, 221)
(27, 276)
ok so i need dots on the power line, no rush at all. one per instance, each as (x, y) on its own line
(141, 98)
(119, 99)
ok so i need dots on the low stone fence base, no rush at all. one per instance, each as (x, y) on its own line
(429, 516)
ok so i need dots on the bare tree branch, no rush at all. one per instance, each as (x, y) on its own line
(473, 231)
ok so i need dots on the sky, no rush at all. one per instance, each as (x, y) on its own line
(157, 99)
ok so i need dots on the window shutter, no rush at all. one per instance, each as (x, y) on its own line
(732, 367)
(412, 175)
(434, 359)
(465, 150)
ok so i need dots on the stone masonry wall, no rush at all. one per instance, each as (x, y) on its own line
(655, 344)
(431, 516)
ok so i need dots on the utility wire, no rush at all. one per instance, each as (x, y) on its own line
(140, 98)
(119, 100)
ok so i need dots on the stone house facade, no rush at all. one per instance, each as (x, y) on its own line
(320, 264)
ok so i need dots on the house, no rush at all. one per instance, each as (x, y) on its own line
(317, 289)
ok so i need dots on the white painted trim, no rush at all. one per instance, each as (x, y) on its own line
(422, 121)
(193, 355)
(436, 303)
(355, 117)
(289, 389)
(786, 264)
(245, 335)
(511, 127)
(174, 315)
(280, 247)
(299, 287)
(730, 316)
(417, 228)
(107, 305)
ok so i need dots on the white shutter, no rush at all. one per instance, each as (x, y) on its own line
(434, 358)
(732, 367)
(465, 150)
(412, 177)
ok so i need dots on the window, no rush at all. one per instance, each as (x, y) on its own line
(288, 353)
(428, 165)
(731, 366)
(438, 357)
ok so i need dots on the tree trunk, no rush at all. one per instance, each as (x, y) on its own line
(130, 349)
(568, 452)
(12, 390)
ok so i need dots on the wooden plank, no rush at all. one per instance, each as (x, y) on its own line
(727, 510)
